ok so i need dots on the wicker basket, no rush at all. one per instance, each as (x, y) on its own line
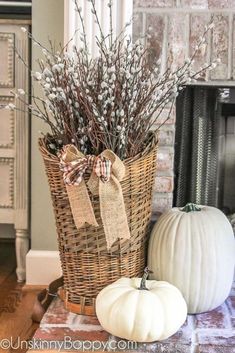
(86, 264)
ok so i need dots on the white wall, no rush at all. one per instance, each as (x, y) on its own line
(47, 21)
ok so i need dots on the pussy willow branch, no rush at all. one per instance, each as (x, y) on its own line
(83, 28)
(112, 101)
(110, 24)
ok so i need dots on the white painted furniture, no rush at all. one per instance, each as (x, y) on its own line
(14, 138)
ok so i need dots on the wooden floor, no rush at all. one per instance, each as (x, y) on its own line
(15, 304)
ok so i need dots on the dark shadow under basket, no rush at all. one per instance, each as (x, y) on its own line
(86, 264)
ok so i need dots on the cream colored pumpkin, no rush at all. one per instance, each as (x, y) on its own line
(195, 251)
(141, 315)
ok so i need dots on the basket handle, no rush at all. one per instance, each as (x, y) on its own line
(44, 299)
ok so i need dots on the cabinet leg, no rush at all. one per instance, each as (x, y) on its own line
(22, 247)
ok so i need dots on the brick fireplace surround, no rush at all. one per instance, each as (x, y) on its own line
(175, 27)
(211, 332)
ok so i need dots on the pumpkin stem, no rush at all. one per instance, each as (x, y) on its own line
(143, 280)
(190, 207)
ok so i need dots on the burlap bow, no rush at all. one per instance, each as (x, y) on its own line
(107, 170)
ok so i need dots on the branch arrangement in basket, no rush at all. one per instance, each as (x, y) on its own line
(108, 102)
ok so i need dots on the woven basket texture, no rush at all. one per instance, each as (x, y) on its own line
(87, 266)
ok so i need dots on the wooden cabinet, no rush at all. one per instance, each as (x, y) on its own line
(14, 138)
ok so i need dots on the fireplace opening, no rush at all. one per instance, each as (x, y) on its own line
(204, 163)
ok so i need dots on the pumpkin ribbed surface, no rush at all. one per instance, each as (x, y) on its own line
(194, 251)
(141, 315)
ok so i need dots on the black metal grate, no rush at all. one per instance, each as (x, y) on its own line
(196, 147)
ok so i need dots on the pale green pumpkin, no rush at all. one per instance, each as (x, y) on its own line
(194, 249)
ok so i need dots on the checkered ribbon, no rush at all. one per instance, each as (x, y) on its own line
(106, 171)
(73, 171)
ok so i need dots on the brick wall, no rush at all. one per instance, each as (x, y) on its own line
(210, 332)
(175, 26)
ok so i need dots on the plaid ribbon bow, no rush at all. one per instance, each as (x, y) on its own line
(106, 171)
(73, 171)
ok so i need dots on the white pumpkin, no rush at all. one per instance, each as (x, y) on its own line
(141, 312)
(195, 251)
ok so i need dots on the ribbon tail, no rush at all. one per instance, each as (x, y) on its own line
(81, 206)
(113, 212)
